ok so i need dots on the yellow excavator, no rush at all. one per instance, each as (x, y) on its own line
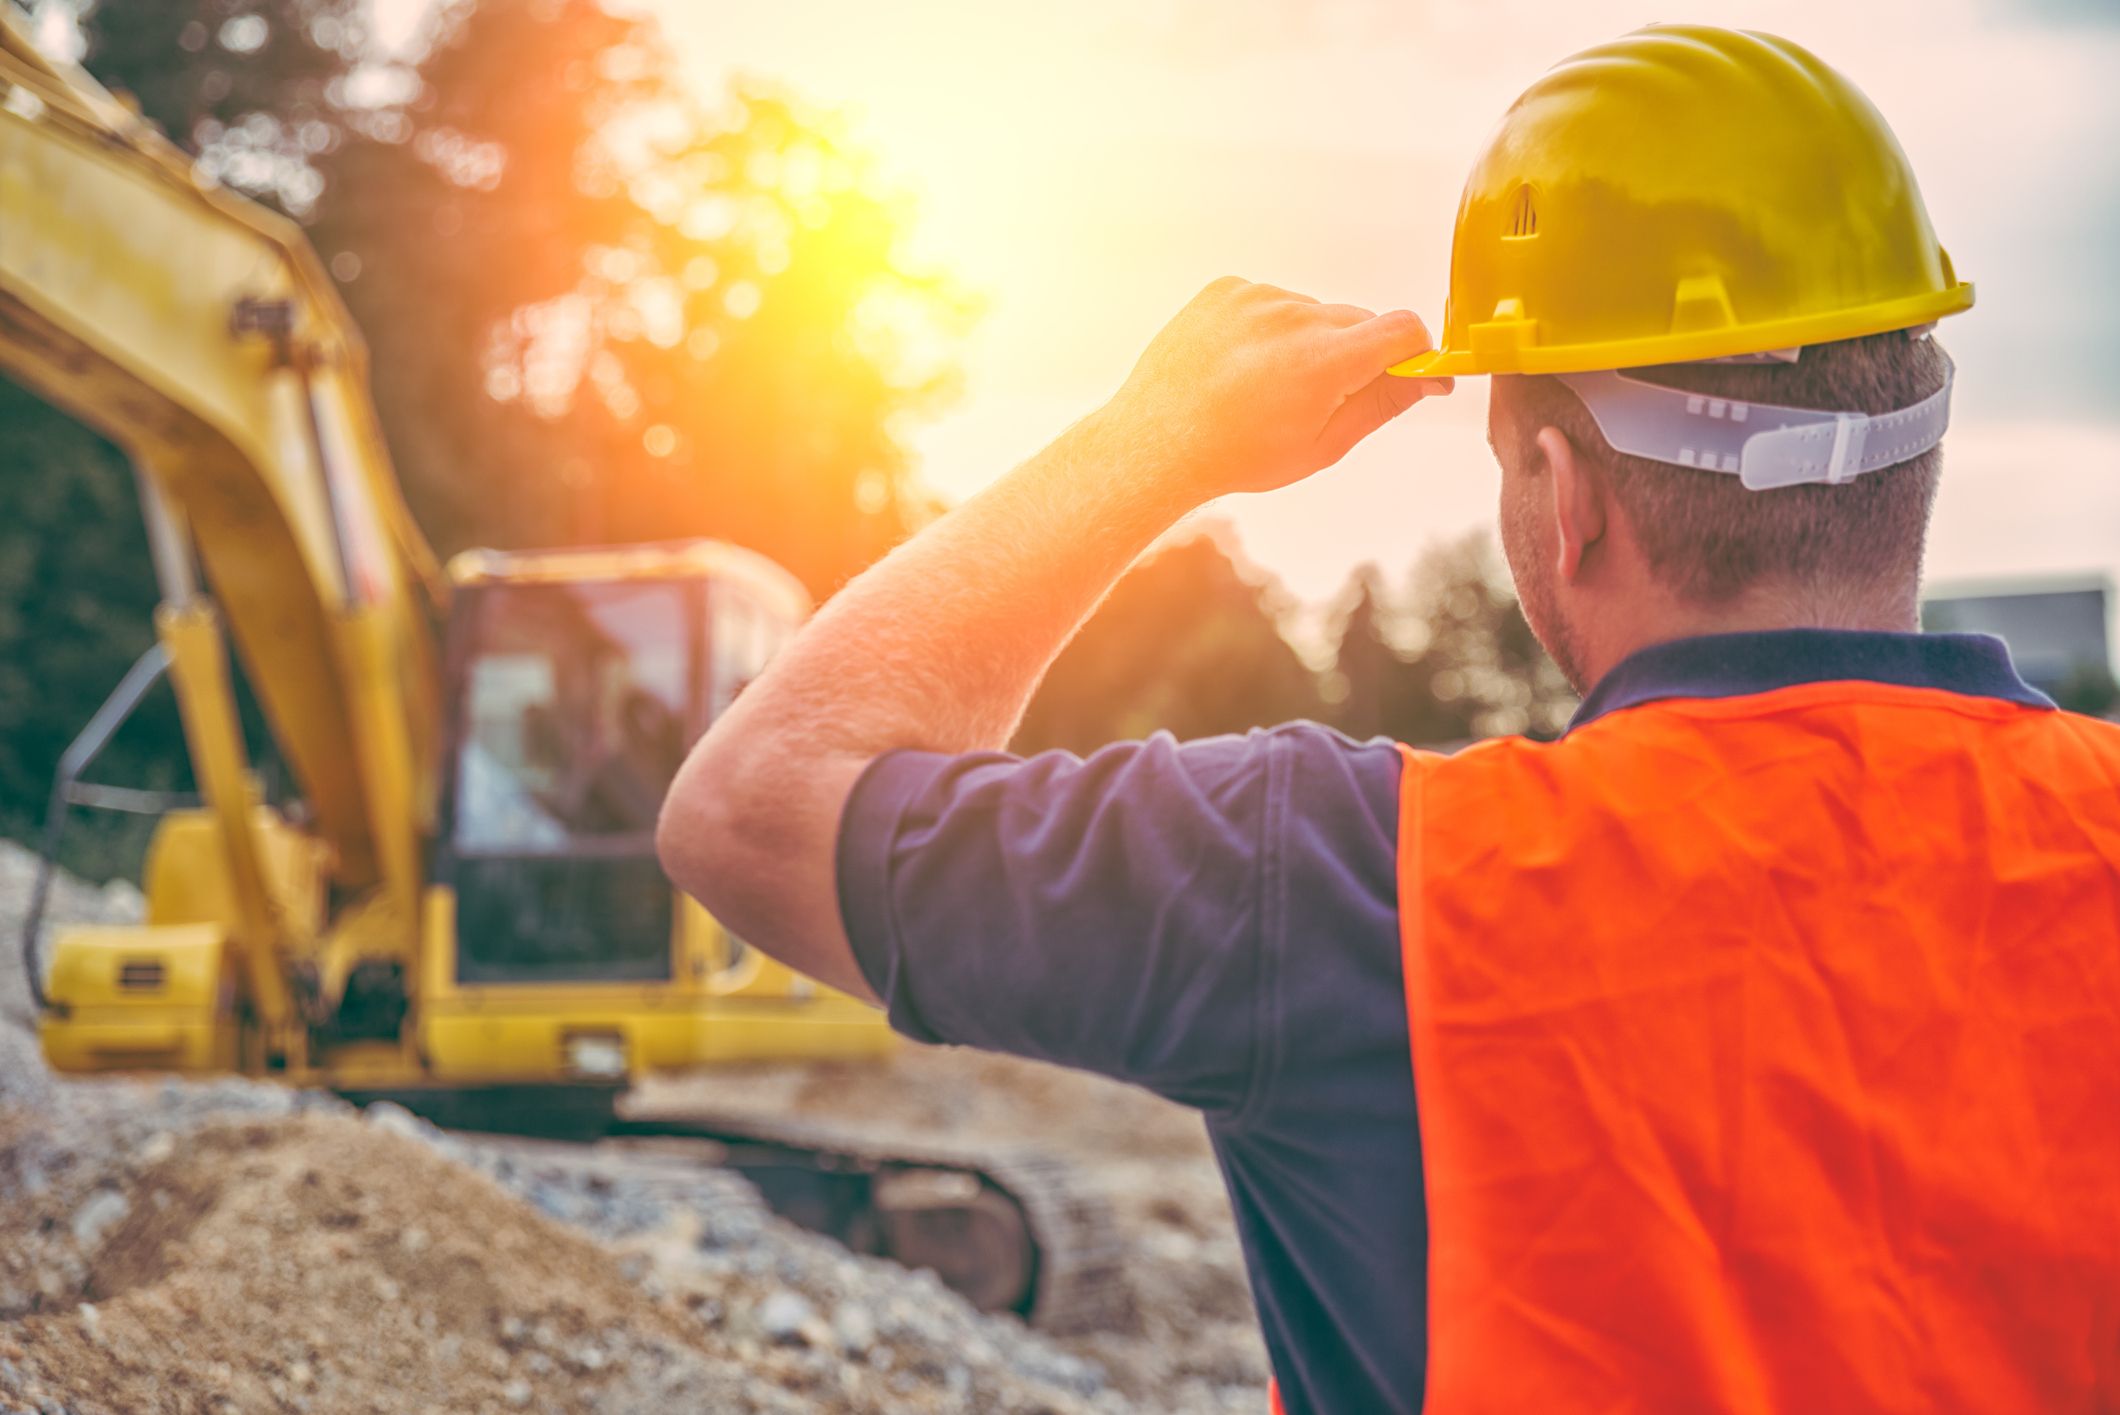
(459, 908)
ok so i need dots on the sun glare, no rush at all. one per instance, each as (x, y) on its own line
(1084, 169)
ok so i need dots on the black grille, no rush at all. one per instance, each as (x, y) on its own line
(140, 974)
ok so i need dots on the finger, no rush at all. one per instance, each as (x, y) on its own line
(1392, 337)
(1368, 408)
(1221, 289)
(1317, 318)
(1275, 292)
(1344, 316)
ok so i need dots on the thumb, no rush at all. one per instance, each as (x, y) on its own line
(1371, 406)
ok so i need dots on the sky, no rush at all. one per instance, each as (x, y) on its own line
(1087, 167)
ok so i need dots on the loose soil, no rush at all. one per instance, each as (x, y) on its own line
(231, 1246)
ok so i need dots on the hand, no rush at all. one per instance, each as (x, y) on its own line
(1251, 387)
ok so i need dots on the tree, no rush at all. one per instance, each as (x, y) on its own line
(1456, 660)
(614, 313)
(1366, 666)
(597, 308)
(1190, 642)
(2090, 689)
(255, 88)
(1479, 656)
(75, 593)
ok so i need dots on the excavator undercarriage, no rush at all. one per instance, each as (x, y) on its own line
(1008, 1228)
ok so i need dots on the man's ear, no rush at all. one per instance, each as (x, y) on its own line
(1578, 501)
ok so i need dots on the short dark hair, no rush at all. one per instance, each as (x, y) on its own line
(1707, 536)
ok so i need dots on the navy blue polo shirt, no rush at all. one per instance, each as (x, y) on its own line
(1218, 921)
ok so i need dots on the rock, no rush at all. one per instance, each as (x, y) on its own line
(121, 899)
(58, 1280)
(785, 1317)
(516, 1393)
(853, 1328)
(33, 1181)
(157, 1148)
(96, 1216)
(394, 1119)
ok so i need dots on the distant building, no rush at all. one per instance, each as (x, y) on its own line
(2059, 630)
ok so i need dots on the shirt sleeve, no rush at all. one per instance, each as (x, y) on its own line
(1102, 913)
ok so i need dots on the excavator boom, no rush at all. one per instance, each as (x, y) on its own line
(199, 333)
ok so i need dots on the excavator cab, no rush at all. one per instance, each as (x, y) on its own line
(574, 683)
(572, 704)
(547, 954)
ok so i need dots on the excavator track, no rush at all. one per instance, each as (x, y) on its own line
(1008, 1227)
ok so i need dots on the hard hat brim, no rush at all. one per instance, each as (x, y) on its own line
(1519, 351)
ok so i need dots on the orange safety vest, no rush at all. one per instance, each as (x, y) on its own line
(1767, 1056)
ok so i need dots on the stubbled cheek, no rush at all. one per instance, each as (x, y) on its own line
(1520, 529)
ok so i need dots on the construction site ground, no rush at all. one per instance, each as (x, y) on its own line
(231, 1246)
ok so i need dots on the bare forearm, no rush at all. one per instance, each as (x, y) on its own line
(938, 647)
(941, 645)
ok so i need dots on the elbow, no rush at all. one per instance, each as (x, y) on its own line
(749, 830)
(696, 838)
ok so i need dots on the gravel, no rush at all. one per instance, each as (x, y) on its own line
(234, 1245)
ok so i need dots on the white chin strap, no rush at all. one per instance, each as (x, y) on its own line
(1765, 445)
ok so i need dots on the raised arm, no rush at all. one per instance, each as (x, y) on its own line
(940, 645)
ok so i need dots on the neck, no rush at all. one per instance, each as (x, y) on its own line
(1658, 619)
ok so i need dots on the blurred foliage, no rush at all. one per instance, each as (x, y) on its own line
(1449, 659)
(1187, 642)
(1191, 641)
(76, 590)
(597, 309)
(2089, 688)
(77, 596)
(599, 312)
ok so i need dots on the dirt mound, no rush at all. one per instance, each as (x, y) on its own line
(320, 1263)
(234, 1246)
(269, 1265)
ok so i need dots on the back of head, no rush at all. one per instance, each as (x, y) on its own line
(1831, 551)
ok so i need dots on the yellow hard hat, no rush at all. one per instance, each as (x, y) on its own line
(1685, 192)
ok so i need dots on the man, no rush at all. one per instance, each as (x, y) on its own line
(1756, 1046)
